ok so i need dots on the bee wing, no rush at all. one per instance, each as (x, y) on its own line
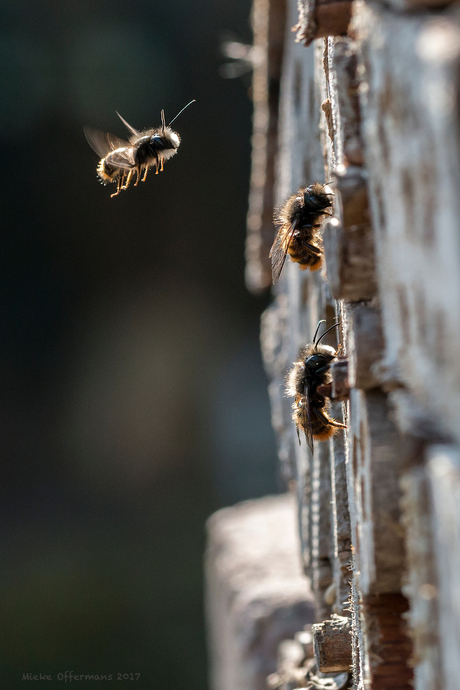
(135, 133)
(309, 412)
(103, 142)
(279, 250)
(123, 157)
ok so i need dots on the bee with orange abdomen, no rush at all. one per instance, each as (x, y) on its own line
(310, 408)
(299, 221)
(121, 160)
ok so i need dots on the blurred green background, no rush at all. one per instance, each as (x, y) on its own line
(133, 401)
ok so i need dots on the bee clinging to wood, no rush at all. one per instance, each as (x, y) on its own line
(299, 221)
(310, 408)
(120, 159)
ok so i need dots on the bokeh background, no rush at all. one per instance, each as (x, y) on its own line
(133, 400)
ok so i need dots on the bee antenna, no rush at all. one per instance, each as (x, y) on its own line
(317, 329)
(163, 121)
(325, 332)
(181, 111)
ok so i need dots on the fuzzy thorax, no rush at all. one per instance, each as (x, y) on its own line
(295, 380)
(306, 206)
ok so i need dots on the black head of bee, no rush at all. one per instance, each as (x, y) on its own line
(158, 144)
(318, 197)
(163, 142)
(320, 359)
(165, 139)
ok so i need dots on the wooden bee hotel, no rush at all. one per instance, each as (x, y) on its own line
(363, 98)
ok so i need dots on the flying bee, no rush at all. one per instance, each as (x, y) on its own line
(121, 160)
(299, 221)
(310, 408)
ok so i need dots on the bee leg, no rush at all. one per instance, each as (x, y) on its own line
(138, 175)
(298, 435)
(119, 188)
(326, 420)
(128, 180)
(162, 163)
(339, 425)
(312, 248)
(145, 174)
(322, 417)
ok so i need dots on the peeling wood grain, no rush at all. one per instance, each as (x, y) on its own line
(319, 18)
(268, 26)
(332, 644)
(345, 69)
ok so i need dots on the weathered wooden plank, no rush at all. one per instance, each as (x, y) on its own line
(365, 344)
(344, 71)
(348, 238)
(398, 291)
(256, 593)
(300, 150)
(268, 19)
(290, 673)
(332, 135)
(341, 529)
(416, 5)
(389, 647)
(340, 388)
(378, 455)
(277, 357)
(307, 295)
(444, 479)
(420, 581)
(322, 548)
(410, 97)
(297, 670)
(350, 265)
(319, 18)
(332, 644)
(304, 484)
